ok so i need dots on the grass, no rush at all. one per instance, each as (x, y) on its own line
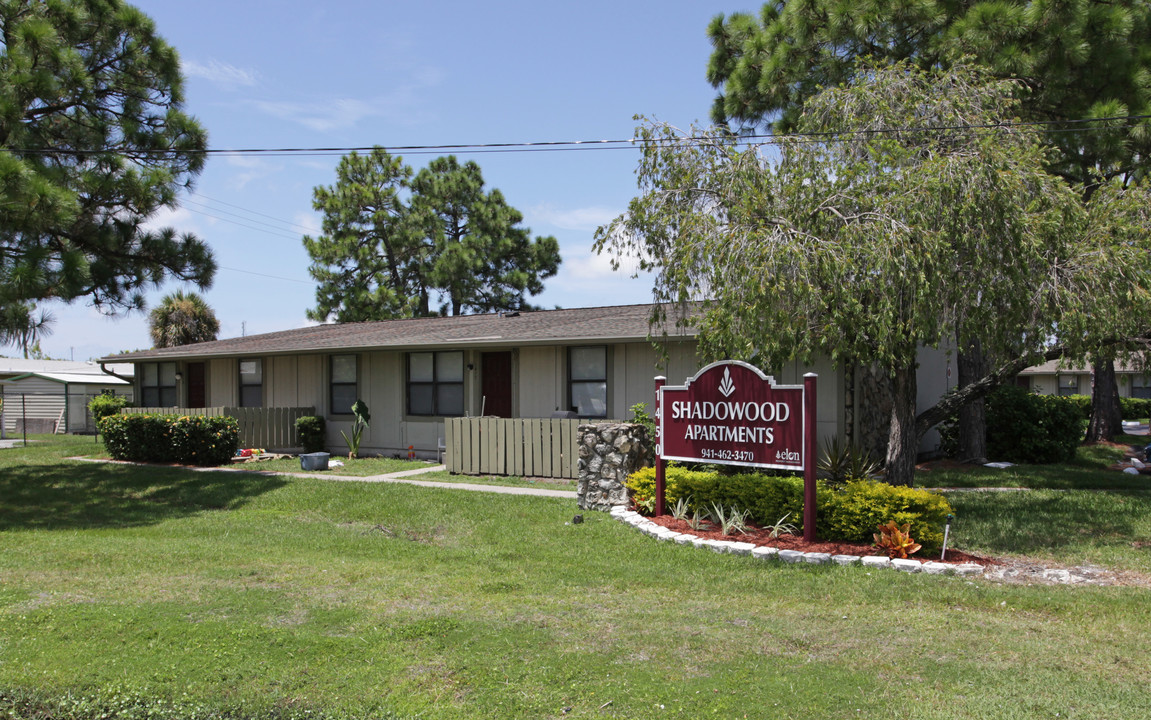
(133, 588)
(365, 467)
(1073, 513)
(353, 467)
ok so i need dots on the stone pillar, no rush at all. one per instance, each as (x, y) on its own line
(608, 453)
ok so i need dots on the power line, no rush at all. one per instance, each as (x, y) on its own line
(290, 280)
(252, 212)
(623, 144)
(276, 232)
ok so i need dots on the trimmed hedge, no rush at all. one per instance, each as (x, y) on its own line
(312, 432)
(1135, 408)
(849, 514)
(189, 440)
(1023, 427)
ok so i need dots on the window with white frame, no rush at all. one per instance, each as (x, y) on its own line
(1068, 384)
(344, 388)
(158, 385)
(436, 383)
(587, 380)
(251, 382)
(1141, 386)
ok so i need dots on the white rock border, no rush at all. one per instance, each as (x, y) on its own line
(647, 527)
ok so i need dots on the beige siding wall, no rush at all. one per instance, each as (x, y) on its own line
(1048, 385)
(223, 378)
(541, 381)
(932, 382)
(281, 381)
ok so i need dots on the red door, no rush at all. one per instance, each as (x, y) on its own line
(497, 383)
(196, 395)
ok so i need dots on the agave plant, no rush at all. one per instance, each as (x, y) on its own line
(730, 520)
(679, 511)
(841, 462)
(781, 527)
(895, 540)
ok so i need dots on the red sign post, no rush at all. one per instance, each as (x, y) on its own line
(730, 413)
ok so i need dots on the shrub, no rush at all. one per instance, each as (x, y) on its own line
(851, 514)
(107, 404)
(854, 513)
(313, 433)
(1082, 403)
(1135, 408)
(1028, 428)
(170, 438)
(641, 485)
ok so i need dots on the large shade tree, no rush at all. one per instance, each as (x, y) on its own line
(400, 244)
(182, 319)
(875, 233)
(93, 141)
(1084, 64)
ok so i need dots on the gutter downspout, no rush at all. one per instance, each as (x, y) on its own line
(106, 371)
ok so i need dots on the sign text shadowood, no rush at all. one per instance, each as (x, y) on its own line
(731, 413)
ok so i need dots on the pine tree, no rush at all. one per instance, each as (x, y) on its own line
(394, 245)
(93, 141)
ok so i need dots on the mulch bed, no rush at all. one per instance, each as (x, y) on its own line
(759, 537)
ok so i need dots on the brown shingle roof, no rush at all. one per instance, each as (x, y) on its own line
(602, 324)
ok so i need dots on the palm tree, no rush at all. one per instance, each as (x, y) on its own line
(19, 325)
(182, 319)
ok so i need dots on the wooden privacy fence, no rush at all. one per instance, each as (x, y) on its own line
(269, 428)
(527, 447)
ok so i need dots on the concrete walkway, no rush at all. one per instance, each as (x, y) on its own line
(403, 477)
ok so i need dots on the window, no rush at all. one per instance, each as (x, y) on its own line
(436, 383)
(587, 381)
(1068, 384)
(343, 390)
(158, 386)
(1141, 386)
(252, 383)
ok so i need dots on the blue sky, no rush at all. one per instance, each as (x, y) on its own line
(261, 74)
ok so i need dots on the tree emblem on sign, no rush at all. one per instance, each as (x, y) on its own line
(726, 386)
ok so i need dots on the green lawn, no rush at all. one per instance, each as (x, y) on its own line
(358, 467)
(125, 589)
(1075, 513)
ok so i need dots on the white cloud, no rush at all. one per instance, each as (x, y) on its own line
(254, 169)
(309, 221)
(588, 219)
(220, 73)
(320, 116)
(403, 105)
(592, 267)
(181, 219)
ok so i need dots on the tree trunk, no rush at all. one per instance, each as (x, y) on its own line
(972, 365)
(903, 440)
(1106, 415)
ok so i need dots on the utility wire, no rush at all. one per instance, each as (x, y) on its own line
(264, 275)
(291, 225)
(1044, 126)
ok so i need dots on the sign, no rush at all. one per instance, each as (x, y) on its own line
(730, 413)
